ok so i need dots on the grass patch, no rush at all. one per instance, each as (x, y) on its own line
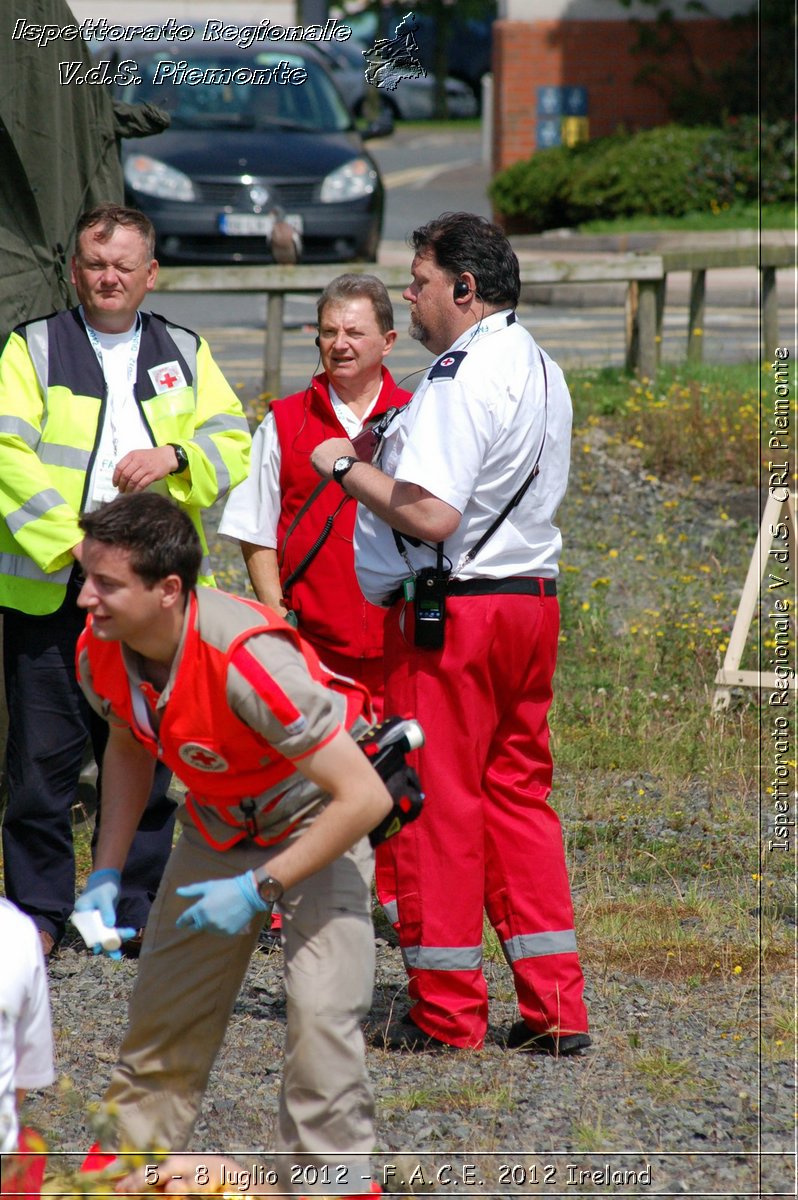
(738, 216)
(649, 589)
(696, 421)
(463, 1098)
(453, 126)
(664, 1076)
(591, 1135)
(655, 938)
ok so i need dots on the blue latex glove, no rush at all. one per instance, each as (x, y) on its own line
(227, 905)
(102, 892)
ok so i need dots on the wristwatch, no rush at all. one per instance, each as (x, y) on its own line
(181, 456)
(269, 889)
(341, 466)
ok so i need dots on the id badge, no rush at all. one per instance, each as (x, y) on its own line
(104, 489)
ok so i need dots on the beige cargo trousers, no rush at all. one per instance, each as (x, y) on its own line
(184, 995)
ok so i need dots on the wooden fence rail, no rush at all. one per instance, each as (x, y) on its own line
(645, 275)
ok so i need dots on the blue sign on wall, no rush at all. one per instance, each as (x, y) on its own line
(562, 102)
(574, 101)
(549, 133)
(550, 101)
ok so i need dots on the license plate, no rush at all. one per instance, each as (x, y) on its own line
(255, 224)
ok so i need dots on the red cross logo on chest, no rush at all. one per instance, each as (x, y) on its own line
(202, 758)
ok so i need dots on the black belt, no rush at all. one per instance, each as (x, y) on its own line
(514, 585)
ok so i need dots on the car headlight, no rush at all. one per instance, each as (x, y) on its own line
(156, 178)
(350, 182)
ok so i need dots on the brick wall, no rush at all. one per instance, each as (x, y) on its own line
(596, 55)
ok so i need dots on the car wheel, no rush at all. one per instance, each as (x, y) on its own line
(387, 108)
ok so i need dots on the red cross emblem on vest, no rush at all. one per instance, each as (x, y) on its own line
(166, 376)
(202, 758)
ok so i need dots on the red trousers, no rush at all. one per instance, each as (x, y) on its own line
(22, 1176)
(488, 839)
(368, 671)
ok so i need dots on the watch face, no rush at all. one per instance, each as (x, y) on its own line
(270, 890)
(342, 465)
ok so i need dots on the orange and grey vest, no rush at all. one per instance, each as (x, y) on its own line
(227, 767)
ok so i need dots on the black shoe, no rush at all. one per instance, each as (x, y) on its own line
(521, 1037)
(415, 1040)
(269, 939)
(131, 947)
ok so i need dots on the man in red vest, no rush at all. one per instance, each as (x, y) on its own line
(266, 512)
(279, 802)
(317, 588)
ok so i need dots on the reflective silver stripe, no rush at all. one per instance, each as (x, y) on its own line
(533, 945)
(206, 568)
(214, 457)
(34, 508)
(391, 910)
(21, 567)
(21, 429)
(187, 345)
(37, 339)
(220, 422)
(56, 455)
(443, 958)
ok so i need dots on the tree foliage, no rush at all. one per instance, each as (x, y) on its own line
(759, 80)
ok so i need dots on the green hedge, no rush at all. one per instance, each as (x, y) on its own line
(668, 171)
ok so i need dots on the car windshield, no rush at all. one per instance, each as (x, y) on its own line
(262, 91)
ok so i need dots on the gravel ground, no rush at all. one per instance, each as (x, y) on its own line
(715, 1119)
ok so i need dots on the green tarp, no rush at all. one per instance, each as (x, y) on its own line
(58, 156)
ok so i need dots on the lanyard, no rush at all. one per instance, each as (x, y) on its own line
(133, 354)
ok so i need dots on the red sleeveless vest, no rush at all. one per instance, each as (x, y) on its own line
(222, 761)
(327, 599)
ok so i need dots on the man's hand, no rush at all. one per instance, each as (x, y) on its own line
(138, 469)
(101, 894)
(325, 454)
(227, 905)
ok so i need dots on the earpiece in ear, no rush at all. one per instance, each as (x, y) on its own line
(460, 290)
(316, 339)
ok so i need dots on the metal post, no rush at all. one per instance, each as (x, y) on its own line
(770, 311)
(695, 321)
(487, 120)
(274, 343)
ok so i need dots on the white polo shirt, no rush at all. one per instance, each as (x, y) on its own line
(26, 1040)
(470, 436)
(252, 512)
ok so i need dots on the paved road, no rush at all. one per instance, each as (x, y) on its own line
(430, 172)
(575, 337)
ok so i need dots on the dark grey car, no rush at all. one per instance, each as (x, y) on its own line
(254, 132)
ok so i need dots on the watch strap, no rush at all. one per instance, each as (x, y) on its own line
(181, 456)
